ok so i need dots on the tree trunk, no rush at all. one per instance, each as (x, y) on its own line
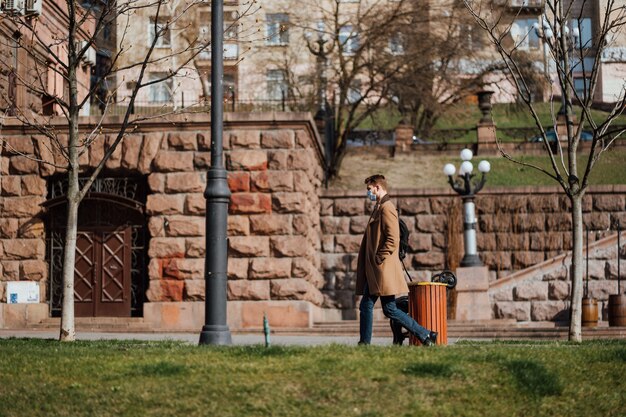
(575, 334)
(68, 331)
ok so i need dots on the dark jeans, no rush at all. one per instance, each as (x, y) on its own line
(366, 310)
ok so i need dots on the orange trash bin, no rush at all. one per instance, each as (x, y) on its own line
(427, 306)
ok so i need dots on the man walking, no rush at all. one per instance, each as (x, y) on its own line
(379, 271)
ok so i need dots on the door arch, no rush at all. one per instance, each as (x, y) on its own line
(110, 275)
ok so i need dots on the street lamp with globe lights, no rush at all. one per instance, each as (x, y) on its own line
(570, 38)
(467, 189)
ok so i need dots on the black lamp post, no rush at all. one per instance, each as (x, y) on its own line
(467, 189)
(215, 330)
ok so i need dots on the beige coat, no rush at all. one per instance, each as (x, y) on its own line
(378, 263)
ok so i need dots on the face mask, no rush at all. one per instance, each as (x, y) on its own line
(371, 195)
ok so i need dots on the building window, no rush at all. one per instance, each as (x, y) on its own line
(160, 92)
(354, 92)
(160, 31)
(349, 40)
(396, 44)
(277, 29)
(581, 85)
(584, 29)
(276, 85)
(524, 34)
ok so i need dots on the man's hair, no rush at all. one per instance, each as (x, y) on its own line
(377, 179)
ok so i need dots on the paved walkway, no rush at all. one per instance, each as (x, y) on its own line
(192, 338)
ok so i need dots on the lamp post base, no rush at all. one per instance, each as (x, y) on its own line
(471, 260)
(215, 335)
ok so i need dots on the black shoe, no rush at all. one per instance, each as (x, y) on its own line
(361, 343)
(431, 339)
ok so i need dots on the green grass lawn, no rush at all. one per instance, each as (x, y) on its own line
(416, 170)
(132, 378)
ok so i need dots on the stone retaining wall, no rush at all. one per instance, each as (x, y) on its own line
(275, 172)
(517, 228)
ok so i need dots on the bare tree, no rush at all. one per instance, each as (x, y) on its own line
(45, 53)
(350, 41)
(560, 28)
(441, 52)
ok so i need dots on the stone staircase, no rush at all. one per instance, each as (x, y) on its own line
(491, 330)
(457, 330)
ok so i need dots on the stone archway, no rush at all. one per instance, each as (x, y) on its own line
(110, 268)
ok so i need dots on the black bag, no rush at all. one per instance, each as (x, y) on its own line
(404, 239)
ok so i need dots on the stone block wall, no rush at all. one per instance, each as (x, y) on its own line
(22, 234)
(517, 228)
(541, 293)
(275, 171)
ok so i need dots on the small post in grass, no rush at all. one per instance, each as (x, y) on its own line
(266, 330)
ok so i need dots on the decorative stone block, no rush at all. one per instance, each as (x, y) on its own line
(249, 139)
(408, 206)
(14, 249)
(183, 141)
(249, 245)
(33, 185)
(204, 140)
(238, 268)
(195, 247)
(290, 246)
(277, 160)
(247, 160)
(149, 149)
(326, 206)
(11, 185)
(348, 243)
(8, 228)
(519, 311)
(185, 182)
(430, 259)
(131, 148)
(239, 181)
(558, 290)
(113, 162)
(173, 161)
(164, 204)
(350, 207)
(430, 223)
(195, 290)
(15, 145)
(238, 226)
(282, 139)
(546, 310)
(420, 242)
(34, 270)
(176, 226)
(272, 224)
(182, 268)
(165, 290)
(195, 204)
(295, 289)
(526, 259)
(335, 225)
(270, 268)
(289, 202)
(614, 202)
(166, 247)
(156, 182)
(250, 203)
(23, 165)
(303, 182)
(531, 291)
(44, 153)
(31, 228)
(248, 290)
(10, 269)
(302, 224)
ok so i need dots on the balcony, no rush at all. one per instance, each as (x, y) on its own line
(534, 5)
